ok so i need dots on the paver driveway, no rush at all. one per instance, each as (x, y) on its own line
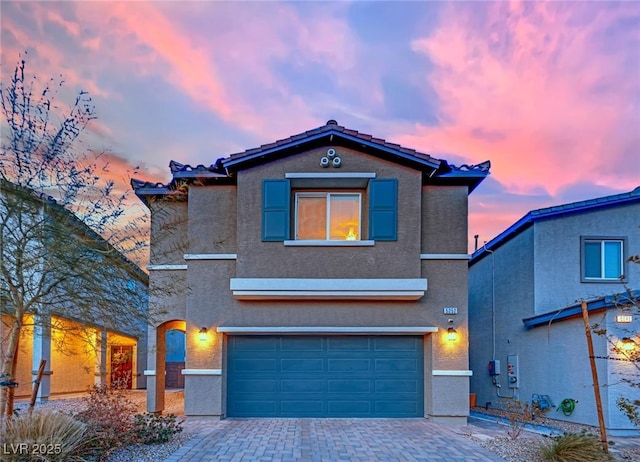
(328, 440)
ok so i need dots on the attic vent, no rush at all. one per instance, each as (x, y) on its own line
(331, 122)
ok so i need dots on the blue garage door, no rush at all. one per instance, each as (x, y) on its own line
(325, 376)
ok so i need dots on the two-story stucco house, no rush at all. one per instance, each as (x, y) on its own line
(324, 274)
(526, 288)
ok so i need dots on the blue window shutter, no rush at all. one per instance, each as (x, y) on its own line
(383, 209)
(275, 210)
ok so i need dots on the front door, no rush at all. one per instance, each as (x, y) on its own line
(121, 366)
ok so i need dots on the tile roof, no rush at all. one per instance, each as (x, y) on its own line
(437, 170)
(554, 211)
(330, 128)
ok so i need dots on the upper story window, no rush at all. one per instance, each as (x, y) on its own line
(330, 216)
(602, 259)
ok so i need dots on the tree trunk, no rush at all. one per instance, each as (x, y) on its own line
(9, 366)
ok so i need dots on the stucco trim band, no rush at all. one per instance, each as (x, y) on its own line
(166, 267)
(323, 289)
(210, 256)
(149, 372)
(410, 330)
(444, 256)
(452, 373)
(358, 180)
(323, 243)
(332, 175)
(201, 372)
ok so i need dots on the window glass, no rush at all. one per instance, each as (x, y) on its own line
(328, 216)
(612, 259)
(592, 263)
(344, 217)
(312, 216)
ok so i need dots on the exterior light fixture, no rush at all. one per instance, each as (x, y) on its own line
(452, 334)
(203, 333)
(626, 344)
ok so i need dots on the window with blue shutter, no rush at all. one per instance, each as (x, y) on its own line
(276, 197)
(383, 209)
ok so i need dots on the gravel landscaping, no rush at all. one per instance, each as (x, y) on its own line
(523, 448)
(526, 447)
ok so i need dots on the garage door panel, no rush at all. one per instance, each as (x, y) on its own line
(396, 365)
(396, 408)
(255, 385)
(396, 386)
(349, 386)
(357, 376)
(302, 386)
(254, 343)
(393, 343)
(348, 365)
(254, 365)
(264, 408)
(352, 408)
(301, 344)
(301, 365)
(354, 343)
(299, 407)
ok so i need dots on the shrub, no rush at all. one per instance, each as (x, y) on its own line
(45, 436)
(109, 417)
(572, 447)
(519, 414)
(154, 428)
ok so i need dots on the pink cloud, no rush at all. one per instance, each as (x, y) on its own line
(222, 67)
(530, 89)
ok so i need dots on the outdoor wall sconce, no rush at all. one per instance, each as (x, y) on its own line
(203, 333)
(452, 334)
(626, 344)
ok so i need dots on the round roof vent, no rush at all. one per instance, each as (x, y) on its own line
(331, 122)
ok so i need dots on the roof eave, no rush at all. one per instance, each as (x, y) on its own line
(547, 213)
(601, 303)
(298, 143)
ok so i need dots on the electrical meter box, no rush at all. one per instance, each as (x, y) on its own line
(494, 367)
(512, 371)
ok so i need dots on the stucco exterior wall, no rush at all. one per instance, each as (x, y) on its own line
(399, 259)
(558, 278)
(538, 271)
(169, 237)
(444, 219)
(511, 284)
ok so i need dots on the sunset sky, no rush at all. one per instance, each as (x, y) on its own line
(549, 92)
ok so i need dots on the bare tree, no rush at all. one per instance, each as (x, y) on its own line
(63, 226)
(625, 347)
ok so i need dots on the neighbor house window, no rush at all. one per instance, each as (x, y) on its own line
(602, 259)
(328, 216)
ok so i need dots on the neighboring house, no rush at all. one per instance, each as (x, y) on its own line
(79, 350)
(525, 292)
(299, 271)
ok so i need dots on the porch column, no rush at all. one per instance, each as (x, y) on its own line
(101, 357)
(42, 350)
(155, 369)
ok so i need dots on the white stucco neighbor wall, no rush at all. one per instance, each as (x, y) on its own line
(538, 271)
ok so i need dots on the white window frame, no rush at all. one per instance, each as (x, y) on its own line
(601, 241)
(327, 195)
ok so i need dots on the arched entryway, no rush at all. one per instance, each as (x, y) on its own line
(156, 372)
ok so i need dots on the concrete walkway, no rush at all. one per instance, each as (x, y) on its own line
(364, 440)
